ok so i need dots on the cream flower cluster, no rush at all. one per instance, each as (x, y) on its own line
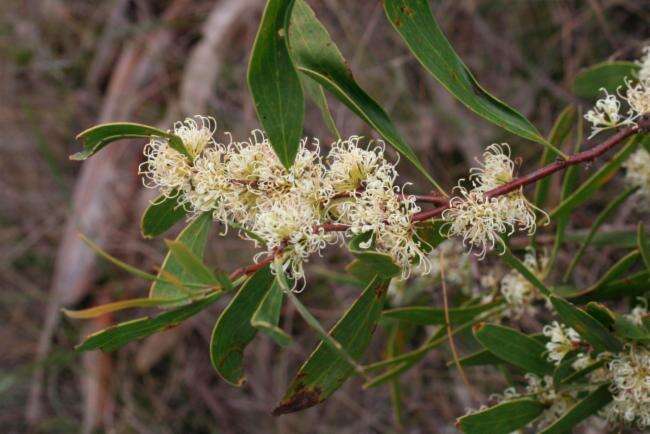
(562, 340)
(606, 113)
(630, 376)
(518, 292)
(480, 220)
(245, 183)
(638, 175)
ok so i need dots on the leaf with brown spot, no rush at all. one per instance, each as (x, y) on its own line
(325, 371)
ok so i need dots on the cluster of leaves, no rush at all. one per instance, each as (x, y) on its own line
(293, 55)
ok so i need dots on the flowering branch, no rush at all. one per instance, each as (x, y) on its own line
(581, 157)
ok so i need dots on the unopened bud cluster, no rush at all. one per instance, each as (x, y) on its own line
(285, 210)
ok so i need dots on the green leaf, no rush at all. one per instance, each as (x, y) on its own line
(605, 316)
(432, 315)
(479, 358)
(116, 336)
(315, 55)
(380, 264)
(627, 329)
(317, 95)
(613, 238)
(414, 22)
(514, 347)
(608, 75)
(618, 270)
(233, 330)
(274, 82)
(600, 178)
(503, 418)
(96, 138)
(559, 133)
(194, 236)
(604, 215)
(195, 268)
(325, 371)
(121, 305)
(267, 316)
(644, 245)
(589, 328)
(629, 286)
(588, 406)
(161, 215)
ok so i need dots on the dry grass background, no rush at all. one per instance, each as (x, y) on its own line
(66, 65)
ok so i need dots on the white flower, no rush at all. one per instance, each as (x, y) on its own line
(382, 209)
(165, 168)
(638, 98)
(496, 169)
(644, 72)
(480, 220)
(210, 183)
(639, 312)
(638, 175)
(196, 133)
(606, 114)
(563, 340)
(290, 225)
(352, 167)
(630, 373)
(518, 292)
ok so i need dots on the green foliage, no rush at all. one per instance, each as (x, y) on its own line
(514, 347)
(194, 237)
(161, 215)
(315, 55)
(96, 138)
(121, 334)
(234, 331)
(503, 418)
(325, 371)
(424, 315)
(267, 316)
(414, 22)
(608, 75)
(274, 82)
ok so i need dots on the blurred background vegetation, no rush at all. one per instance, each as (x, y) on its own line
(66, 65)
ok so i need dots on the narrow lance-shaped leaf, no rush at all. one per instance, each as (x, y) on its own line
(608, 75)
(315, 55)
(515, 263)
(195, 269)
(194, 236)
(588, 406)
(376, 263)
(503, 418)
(116, 336)
(267, 316)
(115, 306)
(96, 138)
(479, 358)
(324, 372)
(414, 22)
(274, 82)
(233, 330)
(589, 328)
(425, 315)
(161, 215)
(514, 347)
